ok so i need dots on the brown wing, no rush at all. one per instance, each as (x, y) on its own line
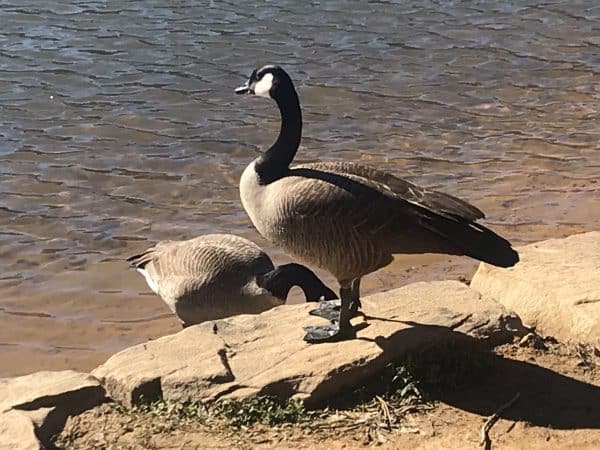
(357, 204)
(397, 215)
(437, 202)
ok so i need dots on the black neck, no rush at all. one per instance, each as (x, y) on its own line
(281, 279)
(274, 163)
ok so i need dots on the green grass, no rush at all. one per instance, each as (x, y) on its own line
(263, 409)
(170, 411)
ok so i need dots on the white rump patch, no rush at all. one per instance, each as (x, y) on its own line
(265, 84)
(149, 280)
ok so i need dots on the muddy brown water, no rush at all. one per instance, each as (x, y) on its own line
(119, 128)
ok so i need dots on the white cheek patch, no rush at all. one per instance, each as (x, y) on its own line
(263, 87)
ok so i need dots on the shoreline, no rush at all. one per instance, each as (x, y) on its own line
(78, 330)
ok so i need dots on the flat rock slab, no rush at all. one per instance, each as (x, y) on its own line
(265, 354)
(33, 408)
(555, 287)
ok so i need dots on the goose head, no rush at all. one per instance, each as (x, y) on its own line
(273, 82)
(268, 81)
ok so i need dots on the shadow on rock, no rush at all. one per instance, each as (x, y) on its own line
(462, 372)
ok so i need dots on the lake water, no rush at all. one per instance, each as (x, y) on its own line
(119, 128)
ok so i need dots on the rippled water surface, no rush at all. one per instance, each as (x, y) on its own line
(119, 127)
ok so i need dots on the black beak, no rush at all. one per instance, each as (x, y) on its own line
(244, 89)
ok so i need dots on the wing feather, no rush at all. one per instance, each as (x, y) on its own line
(435, 201)
(397, 215)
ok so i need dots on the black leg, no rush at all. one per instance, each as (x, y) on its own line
(345, 312)
(355, 295)
(339, 330)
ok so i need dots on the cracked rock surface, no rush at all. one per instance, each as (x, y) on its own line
(265, 354)
(555, 287)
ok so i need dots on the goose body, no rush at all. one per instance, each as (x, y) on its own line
(343, 218)
(219, 275)
(347, 218)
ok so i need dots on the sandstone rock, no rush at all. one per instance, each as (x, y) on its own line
(555, 287)
(264, 354)
(17, 432)
(33, 408)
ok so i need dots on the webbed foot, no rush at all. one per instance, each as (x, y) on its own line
(329, 333)
(329, 310)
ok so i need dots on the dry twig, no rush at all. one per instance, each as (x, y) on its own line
(386, 411)
(487, 426)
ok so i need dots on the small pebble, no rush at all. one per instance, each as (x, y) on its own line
(532, 340)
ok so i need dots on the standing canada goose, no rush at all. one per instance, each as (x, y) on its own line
(220, 275)
(347, 218)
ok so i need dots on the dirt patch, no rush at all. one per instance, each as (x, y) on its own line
(443, 401)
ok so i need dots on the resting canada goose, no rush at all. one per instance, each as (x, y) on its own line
(348, 218)
(220, 275)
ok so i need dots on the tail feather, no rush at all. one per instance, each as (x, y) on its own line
(487, 246)
(474, 240)
(140, 260)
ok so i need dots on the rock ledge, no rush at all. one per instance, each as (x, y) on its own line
(555, 287)
(33, 408)
(264, 354)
